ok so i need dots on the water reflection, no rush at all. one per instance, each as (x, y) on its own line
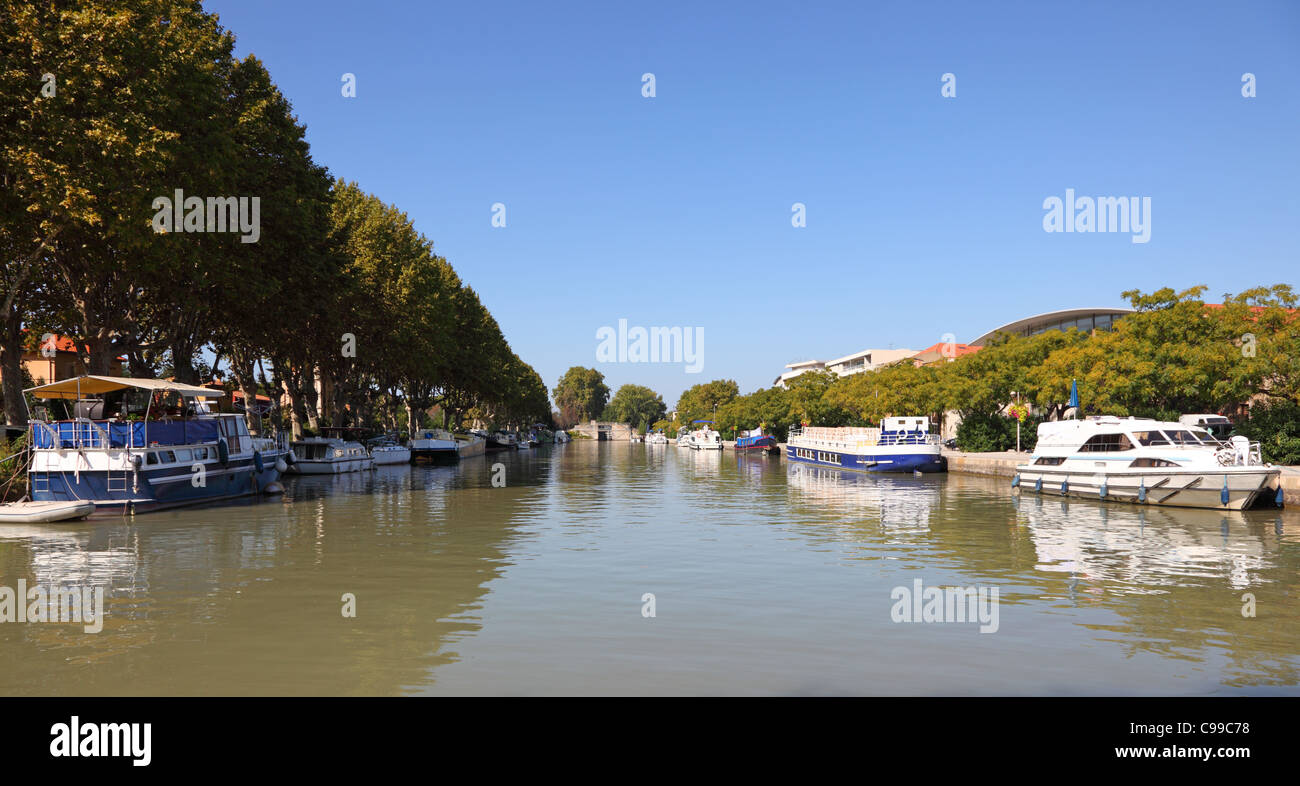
(771, 578)
(899, 502)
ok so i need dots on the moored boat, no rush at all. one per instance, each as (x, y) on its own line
(756, 441)
(387, 450)
(329, 456)
(470, 444)
(900, 444)
(43, 512)
(434, 445)
(656, 438)
(502, 440)
(706, 438)
(127, 459)
(1147, 462)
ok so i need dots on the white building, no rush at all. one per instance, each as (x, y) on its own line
(866, 360)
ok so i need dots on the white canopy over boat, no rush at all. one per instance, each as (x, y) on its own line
(77, 387)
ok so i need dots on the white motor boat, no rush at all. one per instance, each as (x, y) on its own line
(706, 438)
(434, 444)
(562, 436)
(329, 456)
(657, 438)
(1148, 462)
(388, 451)
(684, 439)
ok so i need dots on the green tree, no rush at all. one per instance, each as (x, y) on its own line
(701, 402)
(635, 405)
(581, 395)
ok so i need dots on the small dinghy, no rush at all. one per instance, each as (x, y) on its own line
(43, 512)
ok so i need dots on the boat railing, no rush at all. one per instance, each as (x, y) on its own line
(81, 433)
(849, 437)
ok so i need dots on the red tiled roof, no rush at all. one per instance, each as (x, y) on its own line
(958, 350)
(64, 344)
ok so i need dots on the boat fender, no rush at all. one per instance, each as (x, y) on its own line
(292, 459)
(1065, 487)
(1280, 499)
(280, 466)
(223, 451)
(257, 462)
(1223, 493)
(137, 460)
(1015, 482)
(1103, 490)
(1038, 485)
(1142, 490)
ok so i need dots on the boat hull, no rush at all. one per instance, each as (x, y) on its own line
(763, 444)
(1181, 489)
(469, 448)
(117, 491)
(385, 457)
(916, 458)
(332, 467)
(44, 512)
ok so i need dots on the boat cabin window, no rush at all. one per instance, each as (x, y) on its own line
(1181, 437)
(1106, 443)
(200, 453)
(183, 455)
(151, 458)
(1152, 462)
(1050, 460)
(1150, 438)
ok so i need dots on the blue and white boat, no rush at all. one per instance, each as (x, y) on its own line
(756, 441)
(899, 445)
(178, 455)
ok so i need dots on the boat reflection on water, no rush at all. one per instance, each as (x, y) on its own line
(898, 502)
(1140, 549)
(704, 463)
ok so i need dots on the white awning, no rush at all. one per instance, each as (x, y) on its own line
(76, 387)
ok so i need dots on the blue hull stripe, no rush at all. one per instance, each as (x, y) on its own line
(885, 462)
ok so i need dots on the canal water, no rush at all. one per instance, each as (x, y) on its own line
(766, 579)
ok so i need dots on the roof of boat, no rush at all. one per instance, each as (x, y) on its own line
(1111, 422)
(77, 387)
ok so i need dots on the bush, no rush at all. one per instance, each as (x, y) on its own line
(1276, 427)
(995, 433)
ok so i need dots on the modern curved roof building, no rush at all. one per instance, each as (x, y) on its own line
(1085, 319)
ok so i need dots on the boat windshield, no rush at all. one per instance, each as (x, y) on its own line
(1150, 438)
(1182, 437)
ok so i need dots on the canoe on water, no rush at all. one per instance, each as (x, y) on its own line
(43, 512)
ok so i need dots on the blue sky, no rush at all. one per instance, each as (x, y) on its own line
(924, 213)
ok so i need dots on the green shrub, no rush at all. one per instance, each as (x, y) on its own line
(995, 433)
(1276, 427)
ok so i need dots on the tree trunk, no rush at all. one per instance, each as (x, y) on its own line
(11, 370)
(241, 366)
